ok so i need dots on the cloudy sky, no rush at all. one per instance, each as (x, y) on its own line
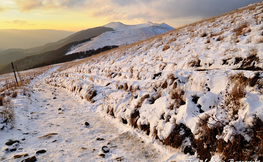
(75, 15)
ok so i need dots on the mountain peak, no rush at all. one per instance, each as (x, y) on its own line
(118, 26)
(115, 25)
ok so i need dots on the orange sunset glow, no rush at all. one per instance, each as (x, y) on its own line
(75, 15)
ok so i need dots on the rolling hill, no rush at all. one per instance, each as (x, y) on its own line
(12, 55)
(24, 39)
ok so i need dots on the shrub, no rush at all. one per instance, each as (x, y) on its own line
(177, 137)
(145, 128)
(134, 117)
(14, 94)
(7, 114)
(251, 60)
(231, 101)
(91, 94)
(110, 111)
(195, 62)
(177, 98)
(207, 143)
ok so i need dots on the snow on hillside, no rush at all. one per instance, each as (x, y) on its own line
(197, 89)
(123, 34)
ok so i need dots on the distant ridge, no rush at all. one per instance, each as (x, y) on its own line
(13, 55)
(24, 39)
(122, 35)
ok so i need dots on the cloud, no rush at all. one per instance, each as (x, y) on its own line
(28, 5)
(173, 9)
(143, 10)
(194, 8)
(19, 22)
(2, 9)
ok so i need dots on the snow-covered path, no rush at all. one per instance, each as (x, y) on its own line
(54, 121)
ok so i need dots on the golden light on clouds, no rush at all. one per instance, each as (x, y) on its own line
(75, 15)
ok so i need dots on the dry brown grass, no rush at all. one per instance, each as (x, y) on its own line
(154, 97)
(260, 39)
(7, 113)
(207, 143)
(91, 93)
(176, 138)
(241, 29)
(237, 148)
(203, 34)
(195, 62)
(232, 99)
(177, 98)
(207, 42)
(166, 47)
(141, 100)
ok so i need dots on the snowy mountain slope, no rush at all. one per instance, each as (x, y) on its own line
(197, 89)
(123, 34)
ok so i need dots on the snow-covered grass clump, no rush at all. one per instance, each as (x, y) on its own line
(198, 88)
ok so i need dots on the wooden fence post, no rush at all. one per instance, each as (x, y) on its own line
(18, 75)
(14, 72)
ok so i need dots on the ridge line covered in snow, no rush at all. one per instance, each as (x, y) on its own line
(123, 35)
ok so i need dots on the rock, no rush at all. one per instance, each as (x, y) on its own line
(41, 151)
(105, 149)
(30, 159)
(59, 109)
(87, 123)
(83, 148)
(11, 142)
(47, 136)
(119, 158)
(102, 155)
(20, 155)
(54, 98)
(13, 149)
